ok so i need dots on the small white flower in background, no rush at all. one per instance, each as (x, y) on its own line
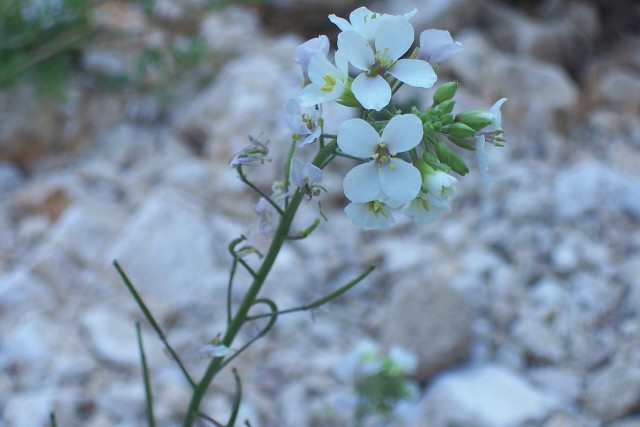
(405, 360)
(393, 38)
(212, 351)
(267, 217)
(306, 176)
(256, 152)
(437, 45)
(364, 21)
(370, 215)
(328, 81)
(306, 125)
(307, 50)
(492, 133)
(439, 184)
(398, 180)
(426, 208)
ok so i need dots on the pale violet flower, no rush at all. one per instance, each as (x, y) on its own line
(307, 50)
(492, 133)
(392, 39)
(212, 351)
(439, 184)
(267, 217)
(437, 45)
(307, 177)
(370, 215)
(328, 81)
(385, 173)
(305, 123)
(256, 152)
(426, 208)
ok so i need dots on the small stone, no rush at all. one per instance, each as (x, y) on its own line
(539, 340)
(485, 396)
(613, 391)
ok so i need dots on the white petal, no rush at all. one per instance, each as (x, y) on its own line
(364, 218)
(394, 37)
(309, 49)
(357, 50)
(341, 23)
(437, 45)
(496, 123)
(319, 66)
(374, 93)
(313, 94)
(401, 182)
(364, 23)
(414, 72)
(358, 138)
(297, 173)
(315, 134)
(402, 133)
(361, 184)
(483, 159)
(293, 116)
(312, 173)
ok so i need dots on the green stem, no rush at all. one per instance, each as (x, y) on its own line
(250, 297)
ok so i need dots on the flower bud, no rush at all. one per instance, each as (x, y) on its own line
(423, 167)
(460, 130)
(429, 157)
(447, 106)
(477, 119)
(445, 92)
(451, 158)
(347, 98)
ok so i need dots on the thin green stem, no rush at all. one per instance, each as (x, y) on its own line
(152, 321)
(250, 184)
(250, 297)
(151, 422)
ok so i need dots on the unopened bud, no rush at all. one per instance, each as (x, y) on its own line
(477, 119)
(423, 167)
(447, 106)
(461, 130)
(451, 158)
(445, 92)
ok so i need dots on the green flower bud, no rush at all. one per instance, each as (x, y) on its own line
(423, 167)
(451, 158)
(445, 92)
(446, 106)
(460, 130)
(476, 119)
(429, 157)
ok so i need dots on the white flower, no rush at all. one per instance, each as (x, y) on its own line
(328, 81)
(492, 133)
(393, 38)
(211, 350)
(307, 177)
(439, 184)
(304, 124)
(370, 215)
(364, 21)
(437, 45)
(426, 208)
(394, 178)
(267, 216)
(308, 50)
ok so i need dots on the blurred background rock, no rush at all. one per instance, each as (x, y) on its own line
(118, 118)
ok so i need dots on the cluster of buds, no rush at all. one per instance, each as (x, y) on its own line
(406, 165)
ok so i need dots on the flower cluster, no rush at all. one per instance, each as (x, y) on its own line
(407, 157)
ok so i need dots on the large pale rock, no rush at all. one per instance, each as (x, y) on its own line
(430, 319)
(485, 396)
(166, 249)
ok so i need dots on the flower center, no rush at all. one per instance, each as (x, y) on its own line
(383, 156)
(329, 83)
(377, 208)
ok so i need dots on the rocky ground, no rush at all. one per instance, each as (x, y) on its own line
(522, 305)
